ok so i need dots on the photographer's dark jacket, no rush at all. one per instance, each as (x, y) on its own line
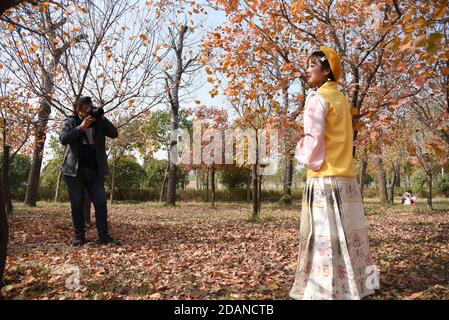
(72, 137)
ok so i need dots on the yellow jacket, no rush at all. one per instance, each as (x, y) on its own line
(338, 135)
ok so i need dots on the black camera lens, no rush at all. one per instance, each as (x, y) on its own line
(95, 112)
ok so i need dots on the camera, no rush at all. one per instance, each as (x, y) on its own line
(95, 112)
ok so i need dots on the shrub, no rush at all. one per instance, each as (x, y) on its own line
(49, 180)
(371, 193)
(419, 183)
(234, 195)
(234, 177)
(19, 170)
(135, 194)
(128, 174)
(442, 185)
(154, 172)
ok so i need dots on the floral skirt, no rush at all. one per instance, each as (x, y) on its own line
(334, 260)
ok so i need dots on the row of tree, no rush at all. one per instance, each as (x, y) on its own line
(131, 178)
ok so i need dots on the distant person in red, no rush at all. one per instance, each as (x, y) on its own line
(408, 198)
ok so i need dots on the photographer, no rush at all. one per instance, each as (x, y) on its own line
(85, 165)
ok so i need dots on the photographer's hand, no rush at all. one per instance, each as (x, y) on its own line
(87, 122)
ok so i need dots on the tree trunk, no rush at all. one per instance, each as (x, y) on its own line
(3, 234)
(35, 172)
(41, 134)
(255, 191)
(87, 207)
(363, 175)
(396, 180)
(207, 185)
(111, 196)
(171, 186)
(58, 186)
(213, 185)
(447, 91)
(393, 182)
(429, 193)
(6, 183)
(172, 86)
(383, 197)
(288, 170)
(161, 195)
(172, 178)
(216, 180)
(248, 189)
(256, 185)
(398, 174)
(197, 179)
(288, 178)
(259, 193)
(42, 117)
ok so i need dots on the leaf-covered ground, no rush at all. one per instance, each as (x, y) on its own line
(197, 252)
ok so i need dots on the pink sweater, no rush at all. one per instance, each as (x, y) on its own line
(310, 149)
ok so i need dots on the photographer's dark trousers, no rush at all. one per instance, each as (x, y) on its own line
(87, 179)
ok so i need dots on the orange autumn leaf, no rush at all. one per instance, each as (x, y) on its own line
(406, 46)
(420, 81)
(411, 150)
(439, 13)
(34, 48)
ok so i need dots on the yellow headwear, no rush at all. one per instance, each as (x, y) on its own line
(334, 61)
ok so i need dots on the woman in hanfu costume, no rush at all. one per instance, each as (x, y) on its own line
(334, 259)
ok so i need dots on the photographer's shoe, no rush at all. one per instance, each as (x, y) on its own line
(78, 241)
(107, 240)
